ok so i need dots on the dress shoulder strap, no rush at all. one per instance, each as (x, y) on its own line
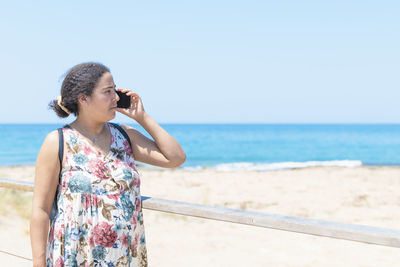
(123, 132)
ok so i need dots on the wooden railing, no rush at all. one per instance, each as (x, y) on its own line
(359, 233)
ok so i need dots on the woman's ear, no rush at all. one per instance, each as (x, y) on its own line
(82, 99)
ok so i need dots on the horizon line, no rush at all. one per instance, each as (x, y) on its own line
(226, 123)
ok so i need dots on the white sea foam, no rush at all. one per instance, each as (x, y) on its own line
(248, 166)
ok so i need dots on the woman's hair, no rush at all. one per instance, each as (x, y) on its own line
(80, 79)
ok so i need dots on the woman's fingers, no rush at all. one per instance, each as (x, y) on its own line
(128, 92)
(131, 93)
(122, 90)
(122, 110)
(135, 99)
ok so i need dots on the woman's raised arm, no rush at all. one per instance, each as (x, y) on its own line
(164, 151)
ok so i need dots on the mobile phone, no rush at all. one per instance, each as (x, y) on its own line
(124, 100)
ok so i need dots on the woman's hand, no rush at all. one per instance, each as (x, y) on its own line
(136, 110)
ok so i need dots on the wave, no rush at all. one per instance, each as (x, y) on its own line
(249, 166)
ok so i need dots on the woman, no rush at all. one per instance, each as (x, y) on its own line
(92, 198)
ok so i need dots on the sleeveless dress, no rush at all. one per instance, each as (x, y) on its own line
(97, 217)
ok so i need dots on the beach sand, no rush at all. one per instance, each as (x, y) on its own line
(360, 195)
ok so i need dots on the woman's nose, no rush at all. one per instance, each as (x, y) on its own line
(116, 96)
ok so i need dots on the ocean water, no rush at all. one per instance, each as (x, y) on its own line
(244, 146)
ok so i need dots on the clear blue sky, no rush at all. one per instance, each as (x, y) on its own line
(210, 61)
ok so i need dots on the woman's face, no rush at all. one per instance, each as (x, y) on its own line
(103, 101)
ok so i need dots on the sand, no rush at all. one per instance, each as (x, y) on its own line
(360, 195)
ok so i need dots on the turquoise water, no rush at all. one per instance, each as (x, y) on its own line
(244, 146)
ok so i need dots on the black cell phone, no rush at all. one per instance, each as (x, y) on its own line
(124, 100)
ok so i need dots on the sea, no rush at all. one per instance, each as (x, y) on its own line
(231, 147)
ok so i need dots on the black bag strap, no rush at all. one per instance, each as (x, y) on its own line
(123, 132)
(60, 146)
(60, 158)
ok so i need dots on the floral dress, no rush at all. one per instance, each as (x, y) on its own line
(97, 217)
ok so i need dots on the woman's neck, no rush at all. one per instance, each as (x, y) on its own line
(88, 125)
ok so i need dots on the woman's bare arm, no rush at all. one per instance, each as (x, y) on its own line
(164, 151)
(46, 180)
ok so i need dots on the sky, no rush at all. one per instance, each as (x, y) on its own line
(209, 61)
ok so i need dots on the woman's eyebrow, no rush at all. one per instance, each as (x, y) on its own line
(111, 86)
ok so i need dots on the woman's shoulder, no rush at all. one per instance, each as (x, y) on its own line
(51, 139)
(126, 127)
(49, 149)
(132, 132)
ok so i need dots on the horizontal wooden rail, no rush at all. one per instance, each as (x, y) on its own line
(14, 184)
(353, 232)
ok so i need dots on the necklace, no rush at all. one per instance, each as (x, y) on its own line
(93, 139)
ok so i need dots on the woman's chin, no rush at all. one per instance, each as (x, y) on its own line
(113, 115)
(110, 116)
